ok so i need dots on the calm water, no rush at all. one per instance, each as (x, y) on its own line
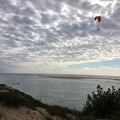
(71, 93)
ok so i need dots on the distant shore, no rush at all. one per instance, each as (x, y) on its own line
(82, 77)
(66, 76)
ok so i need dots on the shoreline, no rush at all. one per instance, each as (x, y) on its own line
(82, 77)
(65, 76)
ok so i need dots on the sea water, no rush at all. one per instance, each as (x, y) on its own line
(70, 92)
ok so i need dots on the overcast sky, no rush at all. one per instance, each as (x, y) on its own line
(60, 36)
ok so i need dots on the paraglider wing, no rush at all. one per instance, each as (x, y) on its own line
(16, 83)
(98, 18)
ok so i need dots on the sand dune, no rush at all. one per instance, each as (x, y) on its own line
(24, 113)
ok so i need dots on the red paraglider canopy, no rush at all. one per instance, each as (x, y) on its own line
(98, 18)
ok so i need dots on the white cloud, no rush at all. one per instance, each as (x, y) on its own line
(57, 32)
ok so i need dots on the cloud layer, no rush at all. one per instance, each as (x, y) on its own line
(57, 32)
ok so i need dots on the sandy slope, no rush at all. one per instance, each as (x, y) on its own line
(24, 113)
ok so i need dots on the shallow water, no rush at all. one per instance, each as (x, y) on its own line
(71, 93)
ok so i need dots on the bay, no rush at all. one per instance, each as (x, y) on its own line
(65, 90)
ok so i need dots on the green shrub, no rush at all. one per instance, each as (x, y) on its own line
(89, 118)
(16, 98)
(116, 116)
(103, 103)
(62, 111)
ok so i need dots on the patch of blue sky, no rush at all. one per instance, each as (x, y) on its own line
(108, 63)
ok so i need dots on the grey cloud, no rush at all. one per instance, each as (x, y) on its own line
(10, 43)
(46, 18)
(54, 5)
(87, 6)
(27, 11)
(21, 20)
(5, 66)
(116, 15)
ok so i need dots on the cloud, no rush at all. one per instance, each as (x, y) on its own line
(57, 32)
